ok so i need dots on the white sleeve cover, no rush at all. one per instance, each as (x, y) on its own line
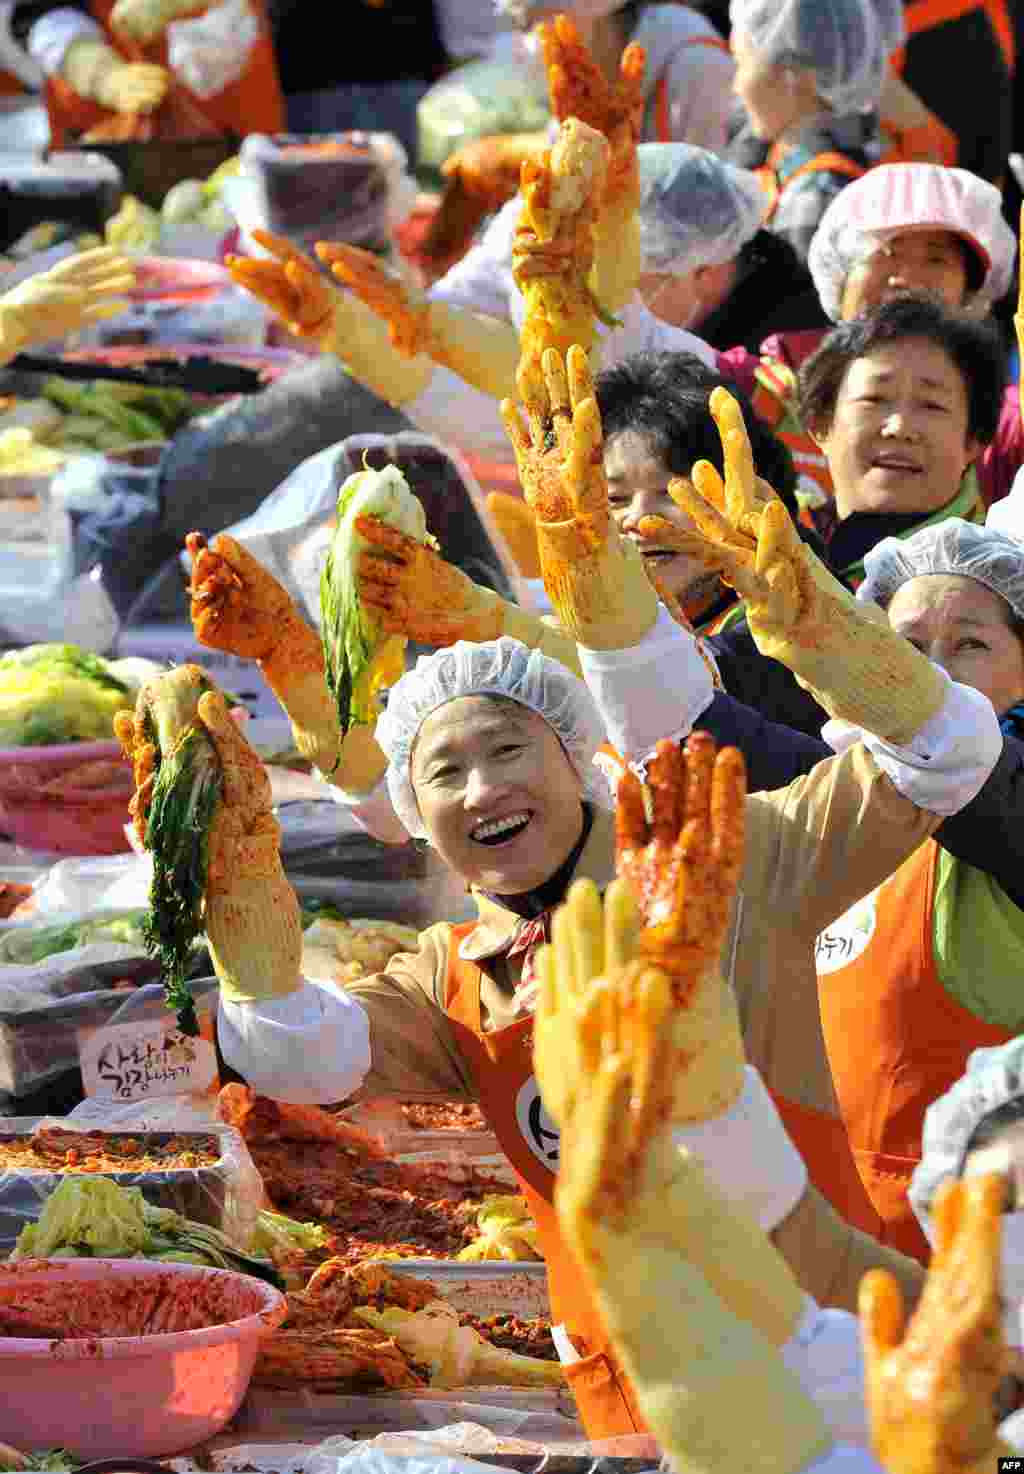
(748, 1154)
(826, 1356)
(649, 691)
(482, 280)
(947, 762)
(373, 812)
(311, 1047)
(53, 33)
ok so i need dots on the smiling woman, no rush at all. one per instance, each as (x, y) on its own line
(901, 401)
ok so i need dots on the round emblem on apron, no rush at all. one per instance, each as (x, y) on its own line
(539, 1130)
(848, 938)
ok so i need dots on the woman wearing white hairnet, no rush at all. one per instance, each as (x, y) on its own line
(809, 75)
(903, 228)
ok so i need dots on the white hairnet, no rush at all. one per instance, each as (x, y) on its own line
(953, 546)
(892, 198)
(842, 41)
(522, 12)
(502, 667)
(695, 209)
(993, 1077)
(893, 22)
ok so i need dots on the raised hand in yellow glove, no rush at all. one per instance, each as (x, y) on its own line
(413, 592)
(96, 71)
(595, 580)
(930, 1385)
(578, 88)
(518, 526)
(385, 291)
(692, 1293)
(844, 652)
(144, 21)
(289, 284)
(239, 607)
(251, 915)
(80, 289)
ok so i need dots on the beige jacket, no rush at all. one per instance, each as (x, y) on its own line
(812, 849)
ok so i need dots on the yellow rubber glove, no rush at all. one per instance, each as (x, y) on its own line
(488, 168)
(78, 290)
(414, 592)
(594, 579)
(251, 915)
(338, 322)
(553, 252)
(578, 88)
(844, 652)
(216, 869)
(239, 607)
(96, 71)
(518, 527)
(930, 1386)
(480, 349)
(144, 21)
(693, 1294)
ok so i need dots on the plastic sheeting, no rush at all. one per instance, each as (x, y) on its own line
(227, 1194)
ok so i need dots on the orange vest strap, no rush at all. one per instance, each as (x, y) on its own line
(925, 15)
(829, 162)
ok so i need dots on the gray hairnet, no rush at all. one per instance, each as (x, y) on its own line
(953, 546)
(893, 22)
(993, 1077)
(843, 42)
(695, 209)
(502, 667)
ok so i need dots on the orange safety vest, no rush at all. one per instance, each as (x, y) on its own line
(252, 104)
(896, 1039)
(773, 400)
(829, 162)
(501, 1065)
(819, 1137)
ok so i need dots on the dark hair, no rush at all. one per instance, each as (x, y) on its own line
(986, 1131)
(664, 398)
(973, 346)
(975, 268)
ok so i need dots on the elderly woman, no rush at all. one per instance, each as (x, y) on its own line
(809, 74)
(900, 403)
(902, 228)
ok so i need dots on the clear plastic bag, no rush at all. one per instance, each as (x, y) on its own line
(352, 187)
(291, 532)
(504, 92)
(209, 52)
(227, 1194)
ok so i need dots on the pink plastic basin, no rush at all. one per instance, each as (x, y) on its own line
(103, 1394)
(68, 818)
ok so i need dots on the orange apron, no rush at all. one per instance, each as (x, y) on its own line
(819, 1137)
(252, 104)
(896, 1039)
(501, 1064)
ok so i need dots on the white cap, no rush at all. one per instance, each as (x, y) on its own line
(502, 667)
(953, 546)
(892, 198)
(695, 209)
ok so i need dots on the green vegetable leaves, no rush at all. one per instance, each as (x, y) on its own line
(351, 637)
(185, 798)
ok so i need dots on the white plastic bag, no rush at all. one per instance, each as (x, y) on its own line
(211, 51)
